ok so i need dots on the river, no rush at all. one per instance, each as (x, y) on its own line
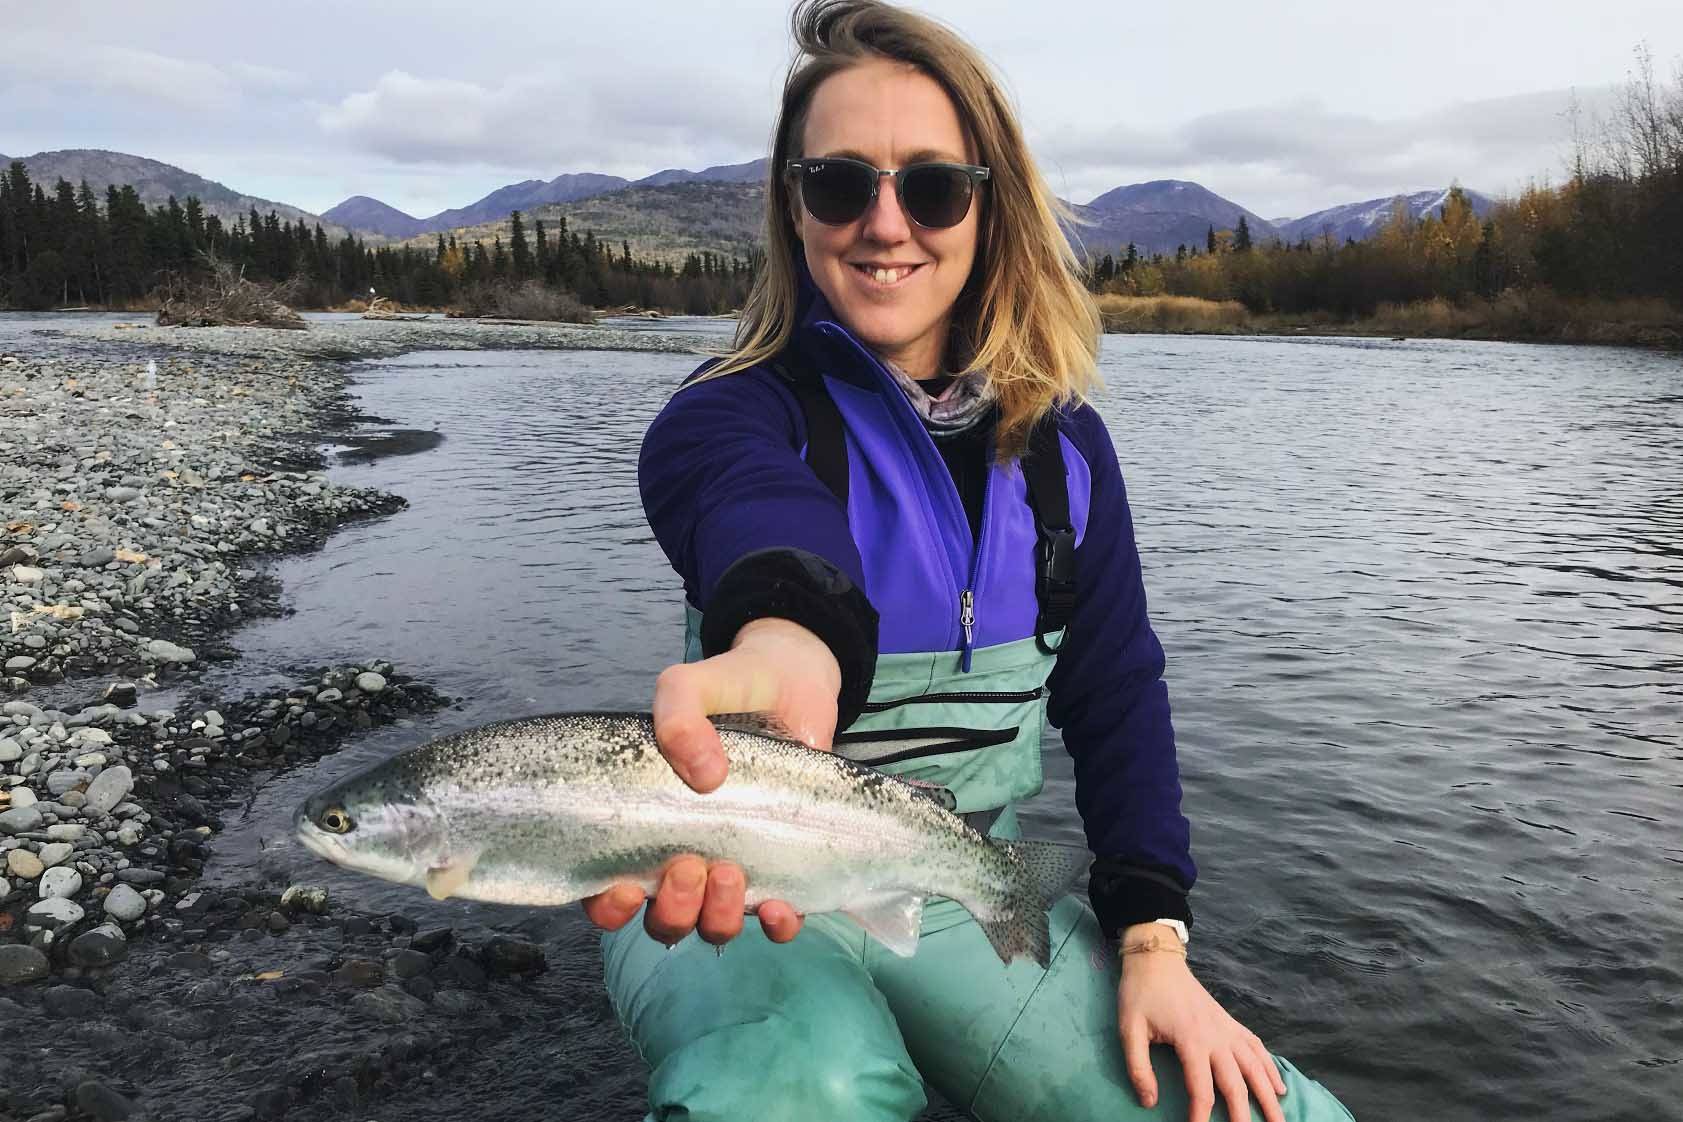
(1423, 609)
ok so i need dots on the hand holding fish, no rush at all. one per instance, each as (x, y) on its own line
(774, 666)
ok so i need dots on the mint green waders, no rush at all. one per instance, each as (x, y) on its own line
(834, 1026)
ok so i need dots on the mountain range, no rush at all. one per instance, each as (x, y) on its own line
(1156, 217)
(676, 211)
(363, 213)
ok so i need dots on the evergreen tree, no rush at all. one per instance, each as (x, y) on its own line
(1242, 236)
(1210, 241)
(522, 251)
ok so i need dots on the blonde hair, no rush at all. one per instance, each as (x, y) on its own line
(1023, 315)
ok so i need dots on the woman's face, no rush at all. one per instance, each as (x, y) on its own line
(889, 115)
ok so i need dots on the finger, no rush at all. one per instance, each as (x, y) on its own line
(721, 910)
(780, 921)
(614, 908)
(686, 738)
(1200, 1092)
(1266, 1058)
(1231, 1082)
(1256, 1076)
(1136, 1048)
(677, 902)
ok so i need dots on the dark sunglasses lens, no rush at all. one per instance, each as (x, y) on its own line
(836, 193)
(937, 197)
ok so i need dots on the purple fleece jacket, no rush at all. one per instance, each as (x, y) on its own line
(753, 532)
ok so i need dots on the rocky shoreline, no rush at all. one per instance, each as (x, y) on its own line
(140, 487)
(364, 339)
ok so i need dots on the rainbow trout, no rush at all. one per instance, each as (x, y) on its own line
(548, 810)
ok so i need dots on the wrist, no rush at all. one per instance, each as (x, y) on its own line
(1173, 929)
(1156, 940)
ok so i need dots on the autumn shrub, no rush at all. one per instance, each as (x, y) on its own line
(1172, 314)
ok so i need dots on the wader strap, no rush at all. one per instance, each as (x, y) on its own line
(826, 441)
(1048, 496)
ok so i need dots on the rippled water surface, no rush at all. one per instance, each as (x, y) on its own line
(1423, 605)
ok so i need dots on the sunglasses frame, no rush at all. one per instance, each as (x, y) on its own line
(978, 175)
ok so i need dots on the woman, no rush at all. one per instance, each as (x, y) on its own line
(913, 335)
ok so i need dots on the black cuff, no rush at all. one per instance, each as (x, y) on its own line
(804, 588)
(1124, 894)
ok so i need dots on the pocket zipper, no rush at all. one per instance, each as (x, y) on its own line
(984, 696)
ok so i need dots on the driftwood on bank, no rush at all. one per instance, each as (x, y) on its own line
(219, 295)
(382, 308)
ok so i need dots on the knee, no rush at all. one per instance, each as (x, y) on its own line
(778, 1068)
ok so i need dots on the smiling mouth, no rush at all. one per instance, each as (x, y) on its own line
(886, 278)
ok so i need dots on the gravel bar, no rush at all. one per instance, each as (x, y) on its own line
(362, 339)
(144, 477)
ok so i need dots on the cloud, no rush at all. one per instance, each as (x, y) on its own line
(252, 75)
(128, 72)
(581, 122)
(1297, 156)
(57, 62)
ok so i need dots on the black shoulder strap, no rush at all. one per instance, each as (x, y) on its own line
(826, 440)
(1048, 496)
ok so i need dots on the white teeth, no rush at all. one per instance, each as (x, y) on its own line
(889, 276)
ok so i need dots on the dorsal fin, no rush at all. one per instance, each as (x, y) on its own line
(756, 724)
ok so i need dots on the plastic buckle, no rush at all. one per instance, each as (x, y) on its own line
(1054, 584)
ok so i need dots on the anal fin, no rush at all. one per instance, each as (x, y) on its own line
(893, 919)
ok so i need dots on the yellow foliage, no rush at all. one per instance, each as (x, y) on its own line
(454, 261)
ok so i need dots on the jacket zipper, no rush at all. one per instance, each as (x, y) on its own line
(982, 696)
(967, 597)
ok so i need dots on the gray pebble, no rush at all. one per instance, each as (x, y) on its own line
(388, 1004)
(124, 903)
(108, 788)
(20, 964)
(54, 853)
(70, 1002)
(165, 651)
(62, 881)
(102, 946)
(20, 820)
(53, 913)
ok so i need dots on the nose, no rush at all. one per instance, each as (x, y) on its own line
(886, 220)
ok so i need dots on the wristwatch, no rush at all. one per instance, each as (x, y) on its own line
(1178, 928)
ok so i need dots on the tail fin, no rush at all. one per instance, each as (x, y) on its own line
(1043, 872)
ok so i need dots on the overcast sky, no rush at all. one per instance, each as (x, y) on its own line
(1283, 107)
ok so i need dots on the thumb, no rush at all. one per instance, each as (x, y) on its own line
(1136, 1049)
(685, 736)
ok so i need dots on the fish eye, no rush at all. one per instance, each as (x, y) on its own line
(335, 821)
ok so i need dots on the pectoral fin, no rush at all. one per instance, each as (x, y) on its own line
(444, 881)
(895, 920)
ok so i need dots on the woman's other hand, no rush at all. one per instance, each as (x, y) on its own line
(774, 666)
(1162, 1003)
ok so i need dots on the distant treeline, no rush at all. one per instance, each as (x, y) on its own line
(65, 249)
(1613, 231)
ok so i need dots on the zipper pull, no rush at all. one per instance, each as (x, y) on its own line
(967, 620)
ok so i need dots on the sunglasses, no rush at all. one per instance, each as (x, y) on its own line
(837, 190)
